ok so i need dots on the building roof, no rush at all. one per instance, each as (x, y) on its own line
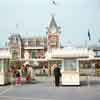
(4, 53)
(15, 35)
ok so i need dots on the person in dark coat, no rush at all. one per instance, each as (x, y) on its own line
(57, 75)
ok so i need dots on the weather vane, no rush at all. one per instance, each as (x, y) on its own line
(53, 4)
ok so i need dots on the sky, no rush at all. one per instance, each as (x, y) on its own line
(32, 16)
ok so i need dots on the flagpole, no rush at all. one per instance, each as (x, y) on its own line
(89, 38)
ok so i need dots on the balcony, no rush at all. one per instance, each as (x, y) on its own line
(33, 47)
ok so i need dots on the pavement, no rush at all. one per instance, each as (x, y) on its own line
(43, 89)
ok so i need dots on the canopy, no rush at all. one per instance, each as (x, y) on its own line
(71, 53)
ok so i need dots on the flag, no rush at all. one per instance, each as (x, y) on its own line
(53, 2)
(89, 35)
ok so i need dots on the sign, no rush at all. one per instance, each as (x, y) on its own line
(53, 41)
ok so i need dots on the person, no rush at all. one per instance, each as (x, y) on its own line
(18, 78)
(57, 75)
(44, 70)
(49, 71)
(30, 74)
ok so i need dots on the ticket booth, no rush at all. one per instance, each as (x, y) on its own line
(4, 66)
(70, 63)
(70, 72)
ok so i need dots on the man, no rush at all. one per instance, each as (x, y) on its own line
(57, 75)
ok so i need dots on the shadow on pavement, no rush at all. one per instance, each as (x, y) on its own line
(84, 83)
(91, 83)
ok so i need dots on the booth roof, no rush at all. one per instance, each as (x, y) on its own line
(71, 53)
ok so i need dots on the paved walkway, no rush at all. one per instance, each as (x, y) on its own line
(43, 89)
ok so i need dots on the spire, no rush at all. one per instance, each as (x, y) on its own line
(52, 26)
(52, 22)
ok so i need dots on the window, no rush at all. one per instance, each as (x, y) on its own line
(98, 53)
(33, 54)
(70, 65)
(38, 43)
(6, 65)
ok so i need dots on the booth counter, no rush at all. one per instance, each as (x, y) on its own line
(70, 72)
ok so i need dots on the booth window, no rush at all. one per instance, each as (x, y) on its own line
(70, 65)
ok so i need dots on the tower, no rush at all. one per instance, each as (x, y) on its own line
(53, 34)
(15, 45)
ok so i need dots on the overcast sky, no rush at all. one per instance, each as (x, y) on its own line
(74, 16)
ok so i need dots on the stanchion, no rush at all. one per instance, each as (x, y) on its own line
(11, 78)
(88, 81)
(89, 72)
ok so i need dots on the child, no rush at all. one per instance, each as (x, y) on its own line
(18, 78)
